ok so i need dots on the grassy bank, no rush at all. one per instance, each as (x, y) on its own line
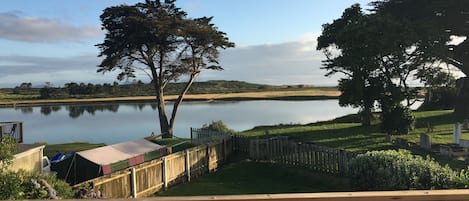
(209, 90)
(306, 94)
(51, 149)
(347, 133)
(258, 178)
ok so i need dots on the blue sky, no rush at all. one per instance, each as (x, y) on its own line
(53, 40)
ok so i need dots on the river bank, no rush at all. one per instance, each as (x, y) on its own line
(309, 94)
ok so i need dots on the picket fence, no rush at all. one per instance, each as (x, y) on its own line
(206, 135)
(151, 177)
(318, 158)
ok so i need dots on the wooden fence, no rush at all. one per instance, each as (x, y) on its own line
(205, 135)
(318, 158)
(151, 177)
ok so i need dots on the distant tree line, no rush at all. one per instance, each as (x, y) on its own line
(139, 88)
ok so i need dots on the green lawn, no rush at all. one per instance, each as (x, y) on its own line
(247, 177)
(346, 133)
(177, 144)
(51, 149)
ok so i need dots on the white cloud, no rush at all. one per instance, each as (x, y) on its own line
(294, 62)
(31, 29)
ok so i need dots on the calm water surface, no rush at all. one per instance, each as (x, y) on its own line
(114, 123)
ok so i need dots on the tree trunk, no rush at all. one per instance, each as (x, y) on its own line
(165, 128)
(461, 53)
(461, 109)
(179, 100)
(366, 115)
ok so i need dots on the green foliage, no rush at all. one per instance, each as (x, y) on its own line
(8, 146)
(398, 170)
(397, 120)
(106, 90)
(463, 178)
(219, 126)
(10, 186)
(27, 185)
(439, 98)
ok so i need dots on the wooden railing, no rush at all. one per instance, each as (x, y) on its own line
(151, 177)
(13, 129)
(417, 195)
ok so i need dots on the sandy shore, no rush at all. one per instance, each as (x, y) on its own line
(313, 94)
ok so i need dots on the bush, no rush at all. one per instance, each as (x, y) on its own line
(398, 170)
(398, 120)
(27, 185)
(219, 126)
(10, 186)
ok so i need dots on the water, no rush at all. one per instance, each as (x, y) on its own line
(114, 123)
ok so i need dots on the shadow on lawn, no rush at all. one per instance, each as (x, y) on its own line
(356, 138)
(424, 122)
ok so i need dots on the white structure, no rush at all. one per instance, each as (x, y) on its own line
(456, 133)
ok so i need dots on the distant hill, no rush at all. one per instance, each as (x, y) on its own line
(138, 88)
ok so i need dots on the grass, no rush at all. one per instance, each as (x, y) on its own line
(177, 144)
(247, 177)
(51, 149)
(346, 133)
(348, 136)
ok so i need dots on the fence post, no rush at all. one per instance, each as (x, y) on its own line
(188, 165)
(192, 141)
(208, 157)
(225, 154)
(1, 133)
(165, 179)
(133, 182)
(21, 132)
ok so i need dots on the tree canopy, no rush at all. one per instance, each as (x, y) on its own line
(159, 39)
(437, 24)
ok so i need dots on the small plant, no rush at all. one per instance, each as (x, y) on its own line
(8, 146)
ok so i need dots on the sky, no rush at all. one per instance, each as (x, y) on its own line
(54, 40)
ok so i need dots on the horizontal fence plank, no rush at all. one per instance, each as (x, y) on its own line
(417, 195)
(152, 176)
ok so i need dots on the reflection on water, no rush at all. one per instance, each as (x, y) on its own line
(113, 123)
(75, 111)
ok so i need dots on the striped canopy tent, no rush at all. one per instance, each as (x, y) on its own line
(89, 164)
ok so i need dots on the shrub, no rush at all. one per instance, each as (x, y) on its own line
(8, 146)
(28, 185)
(10, 186)
(219, 126)
(398, 119)
(398, 170)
